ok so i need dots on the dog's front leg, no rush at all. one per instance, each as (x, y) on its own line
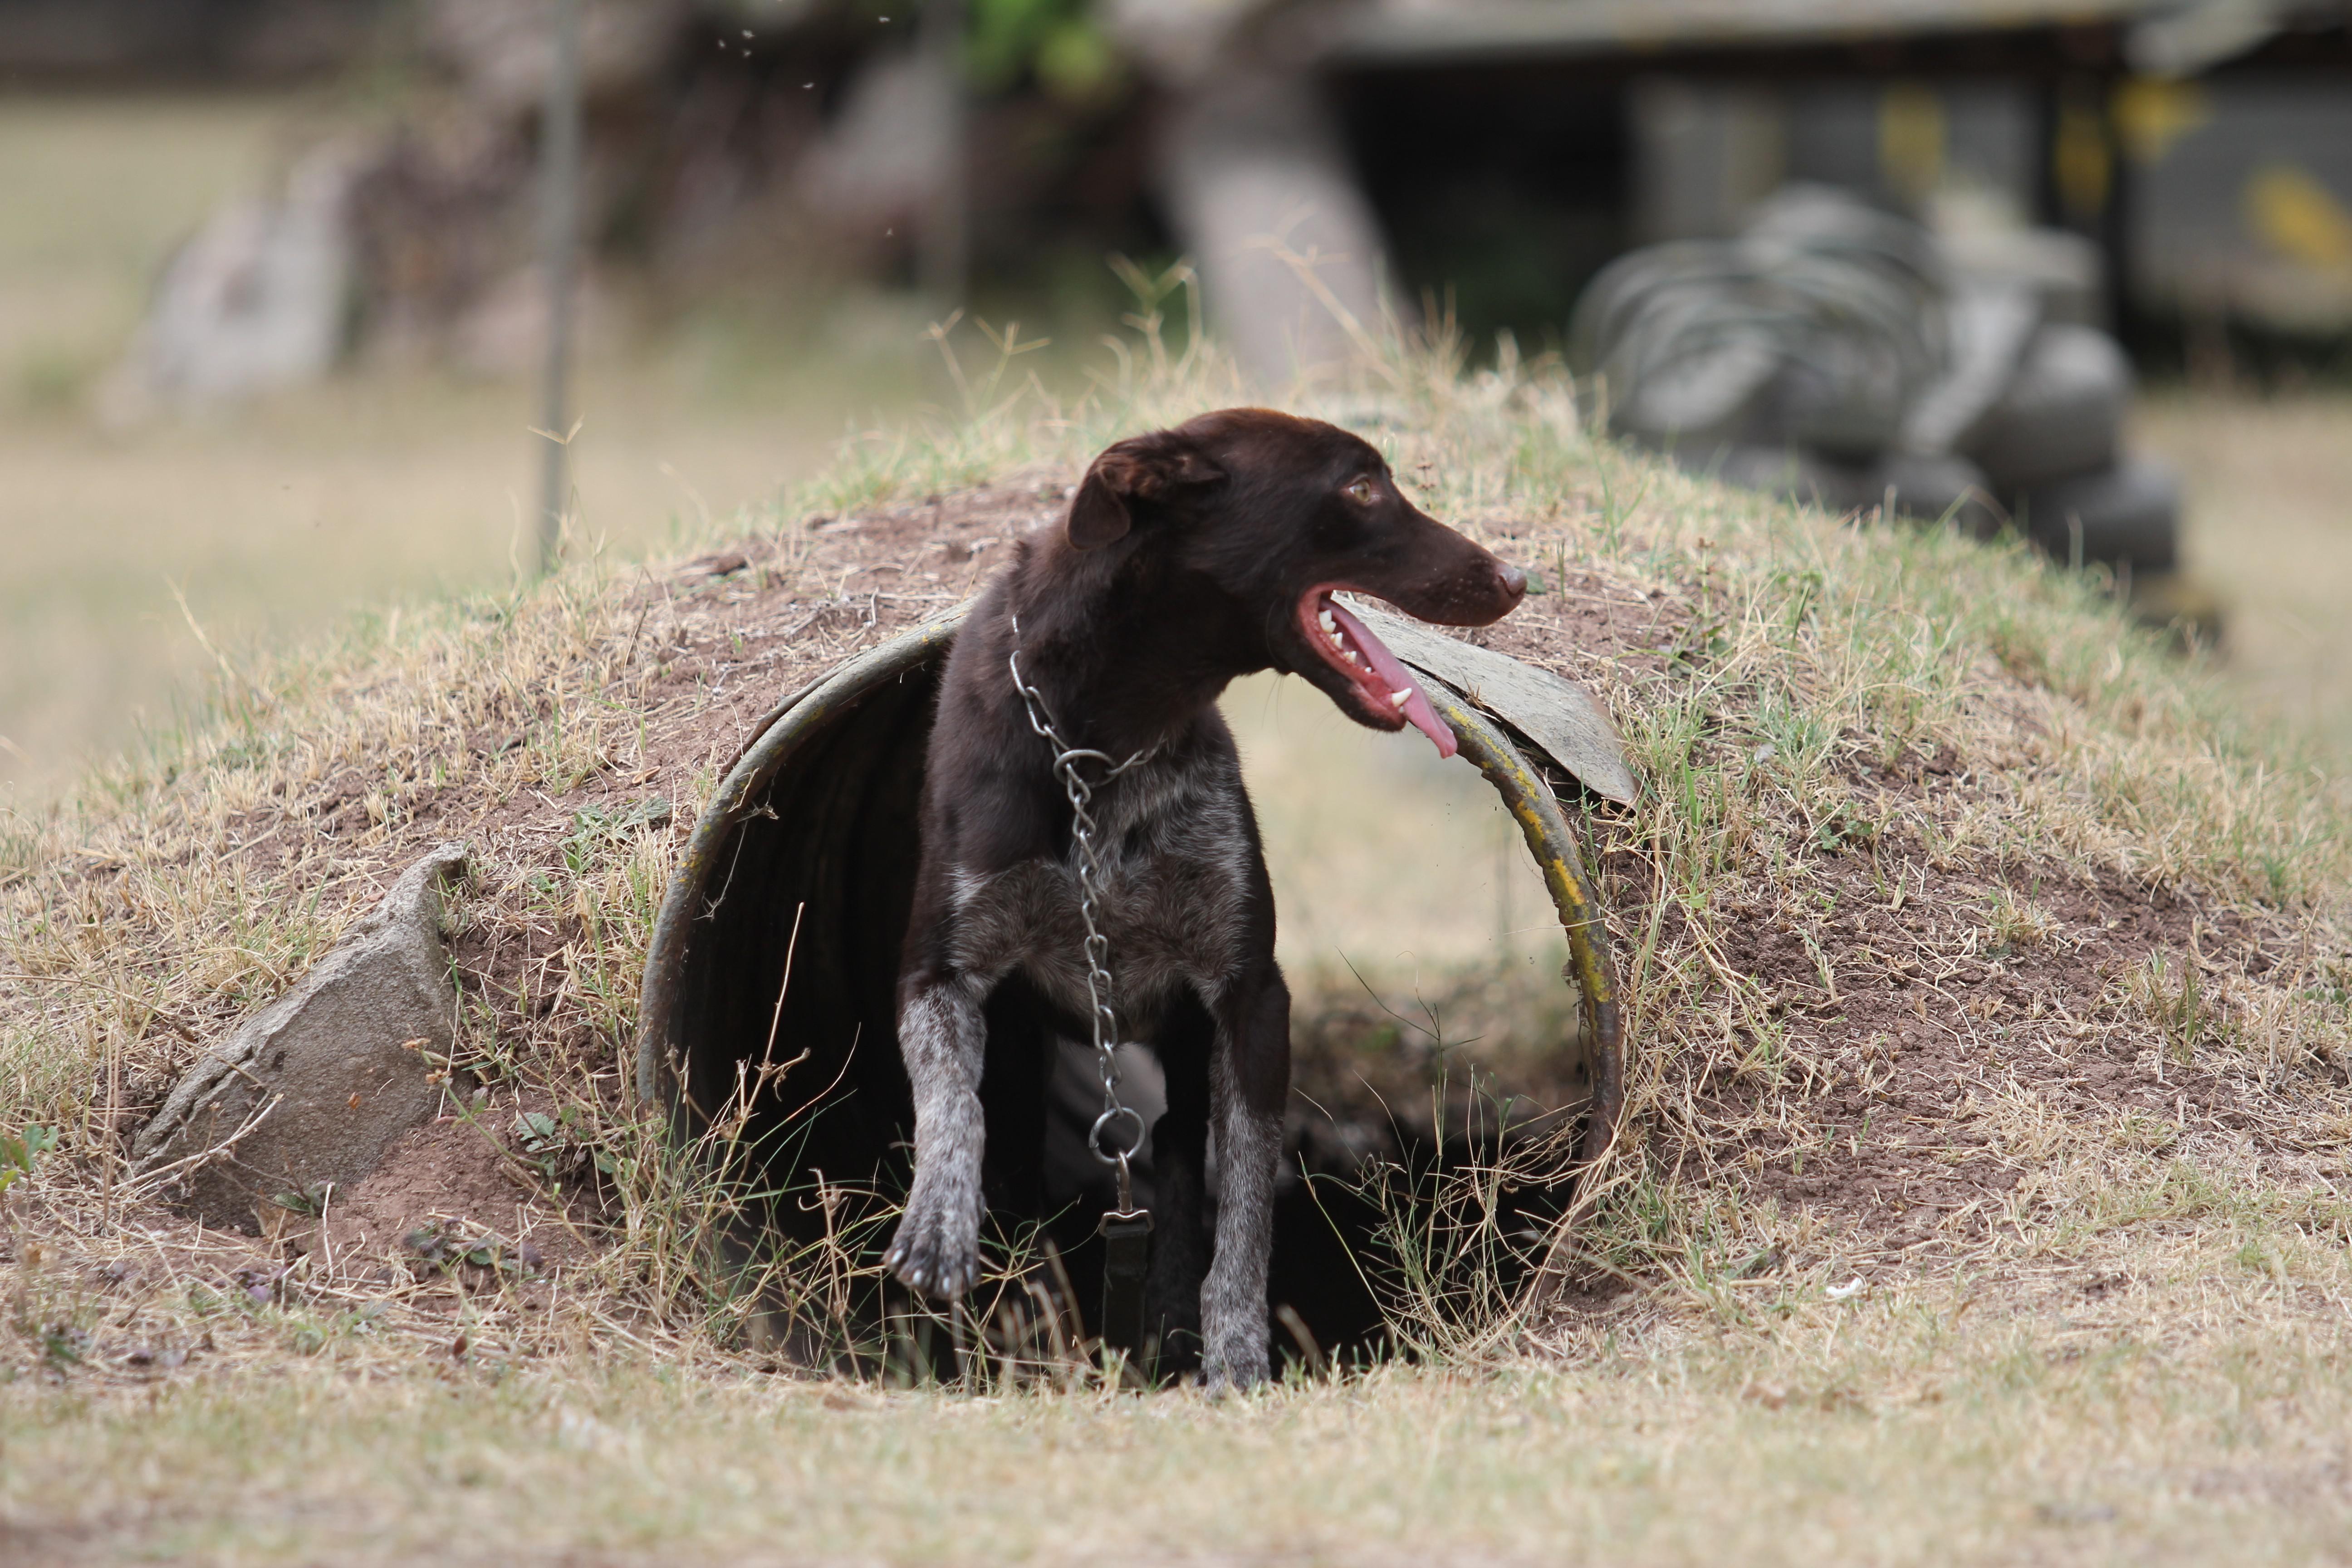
(943, 1036)
(1249, 1079)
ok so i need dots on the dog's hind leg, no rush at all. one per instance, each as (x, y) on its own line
(1249, 1079)
(1180, 1158)
(943, 1036)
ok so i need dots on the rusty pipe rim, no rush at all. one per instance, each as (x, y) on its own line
(1558, 856)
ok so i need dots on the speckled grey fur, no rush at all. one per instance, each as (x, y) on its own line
(1233, 1302)
(944, 1039)
(1176, 871)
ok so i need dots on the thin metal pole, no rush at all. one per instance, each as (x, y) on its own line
(558, 245)
(943, 242)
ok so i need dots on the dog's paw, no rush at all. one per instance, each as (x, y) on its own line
(1230, 1367)
(935, 1252)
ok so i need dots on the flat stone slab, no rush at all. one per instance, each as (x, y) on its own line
(313, 1088)
(1561, 716)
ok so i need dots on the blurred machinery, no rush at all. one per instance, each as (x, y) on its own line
(1846, 356)
(2180, 169)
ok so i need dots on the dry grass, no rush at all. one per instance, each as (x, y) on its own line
(1888, 772)
(2267, 479)
(2193, 1414)
(277, 520)
(100, 188)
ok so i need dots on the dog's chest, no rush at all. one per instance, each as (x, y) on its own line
(1177, 866)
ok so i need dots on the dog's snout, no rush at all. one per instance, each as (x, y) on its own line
(1515, 582)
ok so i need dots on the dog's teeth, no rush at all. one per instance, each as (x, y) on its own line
(1400, 697)
(1330, 627)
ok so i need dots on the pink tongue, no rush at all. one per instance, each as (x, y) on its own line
(1394, 678)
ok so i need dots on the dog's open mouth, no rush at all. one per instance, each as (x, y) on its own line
(1389, 696)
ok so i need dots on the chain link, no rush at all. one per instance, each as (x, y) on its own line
(1101, 999)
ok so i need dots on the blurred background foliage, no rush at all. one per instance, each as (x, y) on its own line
(1055, 43)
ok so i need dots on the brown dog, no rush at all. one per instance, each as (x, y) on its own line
(1190, 556)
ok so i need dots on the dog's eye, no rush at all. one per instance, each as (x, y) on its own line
(1363, 491)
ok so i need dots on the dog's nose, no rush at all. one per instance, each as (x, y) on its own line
(1515, 582)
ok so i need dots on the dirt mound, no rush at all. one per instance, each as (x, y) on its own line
(1875, 1020)
(1915, 944)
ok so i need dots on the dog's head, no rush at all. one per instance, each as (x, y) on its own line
(1275, 514)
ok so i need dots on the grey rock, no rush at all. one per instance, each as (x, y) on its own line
(1566, 722)
(891, 151)
(313, 1088)
(500, 52)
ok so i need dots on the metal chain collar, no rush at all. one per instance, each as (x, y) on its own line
(1069, 762)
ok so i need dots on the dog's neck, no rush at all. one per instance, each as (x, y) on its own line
(1124, 663)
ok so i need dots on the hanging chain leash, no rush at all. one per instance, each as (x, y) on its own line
(1070, 765)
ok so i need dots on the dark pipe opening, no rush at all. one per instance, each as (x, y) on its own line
(820, 871)
(816, 860)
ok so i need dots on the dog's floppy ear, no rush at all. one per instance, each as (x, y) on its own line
(1140, 468)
